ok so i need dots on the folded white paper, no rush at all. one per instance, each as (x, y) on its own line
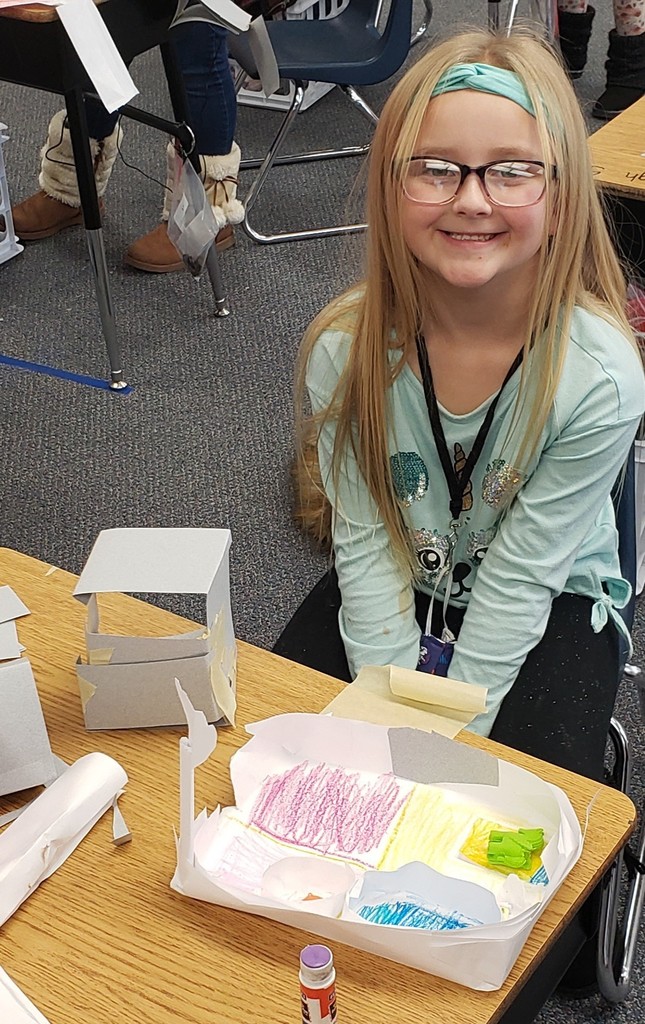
(51, 827)
(97, 52)
(15, 1008)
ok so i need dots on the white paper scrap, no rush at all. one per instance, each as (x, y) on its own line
(10, 647)
(15, 1008)
(97, 52)
(11, 607)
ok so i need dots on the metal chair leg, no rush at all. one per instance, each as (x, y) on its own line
(79, 136)
(617, 939)
(543, 12)
(422, 30)
(272, 159)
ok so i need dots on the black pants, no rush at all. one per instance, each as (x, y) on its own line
(560, 705)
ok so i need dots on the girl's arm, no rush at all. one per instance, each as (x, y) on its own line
(377, 619)
(532, 557)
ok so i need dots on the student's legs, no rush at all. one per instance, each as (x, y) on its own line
(312, 637)
(561, 703)
(58, 203)
(202, 55)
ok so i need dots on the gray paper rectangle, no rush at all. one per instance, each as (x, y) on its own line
(26, 758)
(430, 758)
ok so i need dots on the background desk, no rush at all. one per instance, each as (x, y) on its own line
(618, 155)
(105, 939)
(35, 51)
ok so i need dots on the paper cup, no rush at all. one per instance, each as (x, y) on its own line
(309, 883)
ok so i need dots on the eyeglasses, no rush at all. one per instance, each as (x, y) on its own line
(435, 182)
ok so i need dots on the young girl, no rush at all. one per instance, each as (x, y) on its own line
(474, 401)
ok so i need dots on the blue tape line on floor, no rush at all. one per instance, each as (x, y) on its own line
(75, 378)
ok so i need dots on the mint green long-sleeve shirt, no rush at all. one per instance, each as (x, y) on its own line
(510, 559)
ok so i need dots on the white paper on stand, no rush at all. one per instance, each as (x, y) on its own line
(97, 52)
(222, 860)
(53, 825)
(15, 1008)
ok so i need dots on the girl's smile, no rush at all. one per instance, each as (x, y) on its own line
(472, 242)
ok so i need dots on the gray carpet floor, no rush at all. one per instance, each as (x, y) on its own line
(205, 437)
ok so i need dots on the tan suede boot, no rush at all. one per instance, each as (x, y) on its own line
(57, 205)
(154, 252)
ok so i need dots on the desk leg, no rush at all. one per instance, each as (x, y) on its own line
(77, 122)
(179, 102)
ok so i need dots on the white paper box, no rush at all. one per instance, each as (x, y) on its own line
(129, 681)
(480, 956)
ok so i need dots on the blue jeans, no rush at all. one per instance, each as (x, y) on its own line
(202, 56)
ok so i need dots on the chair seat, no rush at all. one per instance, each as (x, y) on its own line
(341, 51)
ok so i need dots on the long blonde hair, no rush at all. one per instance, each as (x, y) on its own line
(577, 266)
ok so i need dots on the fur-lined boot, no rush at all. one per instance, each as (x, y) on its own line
(58, 205)
(575, 33)
(625, 67)
(155, 252)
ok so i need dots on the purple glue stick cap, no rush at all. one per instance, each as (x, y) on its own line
(316, 956)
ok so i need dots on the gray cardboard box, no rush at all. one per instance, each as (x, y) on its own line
(26, 757)
(128, 682)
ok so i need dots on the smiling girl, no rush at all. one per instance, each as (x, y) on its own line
(474, 400)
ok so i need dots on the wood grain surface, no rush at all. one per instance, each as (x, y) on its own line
(618, 152)
(33, 12)
(105, 939)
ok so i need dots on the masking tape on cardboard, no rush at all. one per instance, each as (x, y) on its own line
(100, 656)
(222, 690)
(86, 690)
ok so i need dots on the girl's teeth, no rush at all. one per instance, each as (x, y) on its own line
(471, 238)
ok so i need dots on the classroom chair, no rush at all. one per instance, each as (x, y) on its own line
(618, 932)
(348, 50)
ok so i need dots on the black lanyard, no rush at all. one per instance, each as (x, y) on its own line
(457, 483)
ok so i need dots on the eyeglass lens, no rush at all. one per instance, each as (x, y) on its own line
(508, 183)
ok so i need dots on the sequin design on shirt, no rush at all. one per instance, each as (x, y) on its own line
(459, 462)
(409, 477)
(501, 483)
(432, 550)
(478, 543)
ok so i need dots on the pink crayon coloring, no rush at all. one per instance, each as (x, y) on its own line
(317, 985)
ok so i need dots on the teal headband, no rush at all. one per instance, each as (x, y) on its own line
(485, 78)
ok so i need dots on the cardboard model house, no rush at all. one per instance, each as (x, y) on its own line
(128, 682)
(26, 758)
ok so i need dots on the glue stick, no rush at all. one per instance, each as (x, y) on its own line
(317, 985)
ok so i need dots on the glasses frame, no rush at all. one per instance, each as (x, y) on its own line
(465, 170)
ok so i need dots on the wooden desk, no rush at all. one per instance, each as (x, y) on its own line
(34, 12)
(618, 152)
(105, 939)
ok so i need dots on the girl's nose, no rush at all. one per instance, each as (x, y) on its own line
(471, 197)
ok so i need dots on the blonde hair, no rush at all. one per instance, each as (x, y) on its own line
(577, 266)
